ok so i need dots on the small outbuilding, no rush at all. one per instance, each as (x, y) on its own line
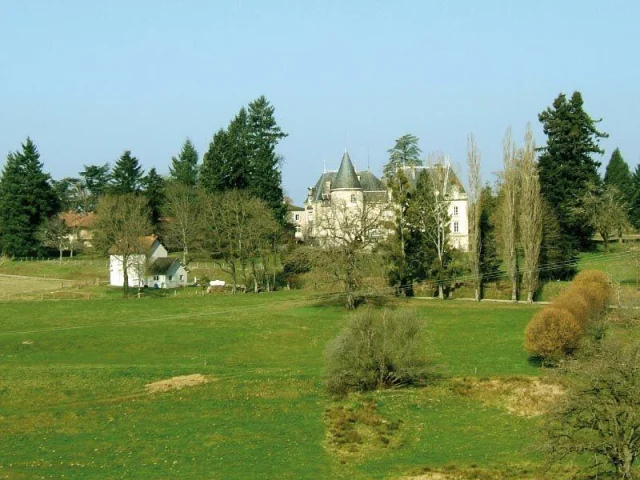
(167, 272)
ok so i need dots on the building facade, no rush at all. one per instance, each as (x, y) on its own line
(345, 200)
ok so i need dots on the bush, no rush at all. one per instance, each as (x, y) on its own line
(377, 349)
(596, 295)
(591, 276)
(551, 334)
(576, 304)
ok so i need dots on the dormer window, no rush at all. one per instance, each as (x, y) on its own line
(353, 198)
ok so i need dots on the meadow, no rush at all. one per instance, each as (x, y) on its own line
(74, 401)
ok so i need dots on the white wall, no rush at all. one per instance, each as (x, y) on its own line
(135, 270)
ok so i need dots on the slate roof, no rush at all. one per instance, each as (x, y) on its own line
(412, 174)
(162, 265)
(294, 208)
(346, 178)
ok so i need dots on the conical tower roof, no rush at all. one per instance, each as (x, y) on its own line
(346, 178)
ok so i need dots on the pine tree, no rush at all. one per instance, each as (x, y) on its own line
(566, 165)
(618, 175)
(96, 179)
(153, 189)
(184, 168)
(404, 153)
(27, 199)
(127, 175)
(226, 164)
(264, 134)
(635, 198)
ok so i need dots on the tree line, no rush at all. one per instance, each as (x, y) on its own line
(240, 157)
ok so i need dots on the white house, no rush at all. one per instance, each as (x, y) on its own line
(298, 219)
(151, 269)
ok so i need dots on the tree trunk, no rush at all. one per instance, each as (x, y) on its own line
(440, 291)
(478, 295)
(61, 250)
(514, 291)
(351, 301)
(125, 276)
(530, 296)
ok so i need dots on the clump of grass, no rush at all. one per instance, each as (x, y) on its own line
(359, 427)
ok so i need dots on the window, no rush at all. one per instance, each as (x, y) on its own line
(181, 277)
(297, 217)
(170, 277)
(353, 198)
(298, 229)
(456, 227)
(156, 277)
(455, 210)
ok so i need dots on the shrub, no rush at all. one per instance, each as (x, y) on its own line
(551, 334)
(596, 295)
(591, 276)
(377, 349)
(576, 304)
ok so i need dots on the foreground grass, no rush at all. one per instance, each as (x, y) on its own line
(72, 377)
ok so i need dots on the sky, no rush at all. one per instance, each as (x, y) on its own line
(88, 80)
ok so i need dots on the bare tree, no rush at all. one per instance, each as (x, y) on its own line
(508, 211)
(605, 211)
(235, 230)
(347, 231)
(600, 419)
(182, 210)
(55, 233)
(121, 225)
(474, 213)
(531, 214)
(429, 212)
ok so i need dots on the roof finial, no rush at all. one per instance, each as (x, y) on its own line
(324, 165)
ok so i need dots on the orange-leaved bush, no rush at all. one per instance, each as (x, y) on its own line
(552, 333)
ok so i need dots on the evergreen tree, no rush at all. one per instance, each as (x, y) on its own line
(635, 198)
(153, 189)
(566, 165)
(27, 199)
(489, 259)
(226, 164)
(618, 175)
(96, 179)
(263, 137)
(127, 175)
(184, 168)
(404, 153)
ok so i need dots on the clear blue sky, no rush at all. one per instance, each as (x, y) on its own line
(87, 80)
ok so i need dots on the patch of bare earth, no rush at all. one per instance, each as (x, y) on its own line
(176, 383)
(511, 472)
(522, 396)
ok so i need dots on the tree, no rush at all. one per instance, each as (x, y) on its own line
(71, 194)
(599, 422)
(347, 234)
(153, 189)
(27, 199)
(127, 175)
(182, 209)
(96, 180)
(54, 233)
(474, 214)
(394, 247)
(531, 215)
(555, 262)
(508, 211)
(604, 210)
(234, 228)
(635, 197)
(405, 152)
(566, 165)
(226, 165)
(429, 215)
(618, 175)
(264, 134)
(378, 349)
(121, 225)
(489, 259)
(184, 168)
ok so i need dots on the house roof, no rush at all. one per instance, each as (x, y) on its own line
(294, 208)
(413, 172)
(145, 244)
(346, 178)
(78, 219)
(162, 265)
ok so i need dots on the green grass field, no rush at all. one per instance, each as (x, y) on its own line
(73, 399)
